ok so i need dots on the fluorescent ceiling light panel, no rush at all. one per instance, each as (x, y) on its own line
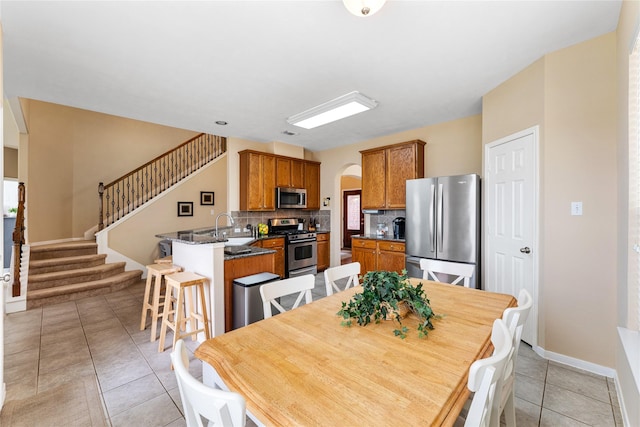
(336, 109)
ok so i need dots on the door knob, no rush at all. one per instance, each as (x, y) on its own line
(6, 277)
(525, 250)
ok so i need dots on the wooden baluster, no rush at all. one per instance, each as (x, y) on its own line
(18, 241)
(101, 206)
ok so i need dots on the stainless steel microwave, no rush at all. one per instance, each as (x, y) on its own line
(292, 198)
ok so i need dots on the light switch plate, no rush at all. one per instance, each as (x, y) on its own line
(576, 208)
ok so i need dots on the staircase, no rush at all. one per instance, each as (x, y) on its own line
(69, 271)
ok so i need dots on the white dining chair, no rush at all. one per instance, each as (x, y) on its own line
(484, 379)
(349, 271)
(515, 319)
(430, 268)
(219, 407)
(270, 292)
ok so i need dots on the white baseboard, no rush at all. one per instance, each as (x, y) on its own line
(15, 305)
(576, 363)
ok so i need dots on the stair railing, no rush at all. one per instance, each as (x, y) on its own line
(18, 241)
(130, 191)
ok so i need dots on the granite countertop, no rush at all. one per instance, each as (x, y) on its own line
(376, 237)
(254, 252)
(207, 235)
(194, 237)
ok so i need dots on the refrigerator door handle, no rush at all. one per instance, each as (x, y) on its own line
(432, 220)
(440, 217)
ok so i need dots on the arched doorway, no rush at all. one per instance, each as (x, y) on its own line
(352, 218)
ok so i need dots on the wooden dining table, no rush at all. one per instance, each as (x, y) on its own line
(303, 368)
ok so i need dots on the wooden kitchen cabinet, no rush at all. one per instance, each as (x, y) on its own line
(385, 171)
(324, 258)
(278, 245)
(365, 252)
(378, 255)
(257, 181)
(391, 256)
(312, 184)
(241, 267)
(289, 173)
(261, 173)
(373, 179)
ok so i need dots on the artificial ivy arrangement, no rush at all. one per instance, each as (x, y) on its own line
(382, 292)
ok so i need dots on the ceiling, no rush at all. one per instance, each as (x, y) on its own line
(255, 63)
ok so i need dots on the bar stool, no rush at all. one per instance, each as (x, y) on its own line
(165, 260)
(184, 308)
(155, 272)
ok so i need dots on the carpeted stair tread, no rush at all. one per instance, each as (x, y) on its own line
(82, 290)
(61, 250)
(58, 278)
(66, 263)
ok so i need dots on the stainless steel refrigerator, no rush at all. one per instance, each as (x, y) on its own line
(443, 222)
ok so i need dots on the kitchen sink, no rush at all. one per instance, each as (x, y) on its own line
(238, 241)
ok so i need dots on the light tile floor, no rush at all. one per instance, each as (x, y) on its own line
(100, 337)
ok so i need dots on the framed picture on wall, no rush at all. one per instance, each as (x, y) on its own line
(185, 208)
(206, 197)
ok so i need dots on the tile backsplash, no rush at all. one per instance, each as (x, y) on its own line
(322, 217)
(384, 217)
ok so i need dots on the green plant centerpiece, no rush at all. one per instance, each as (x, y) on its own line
(387, 295)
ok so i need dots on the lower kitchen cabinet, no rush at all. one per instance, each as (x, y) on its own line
(276, 244)
(241, 267)
(324, 258)
(391, 256)
(378, 255)
(365, 251)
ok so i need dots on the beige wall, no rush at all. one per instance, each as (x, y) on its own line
(571, 95)
(70, 151)
(10, 163)
(453, 147)
(10, 131)
(160, 216)
(348, 182)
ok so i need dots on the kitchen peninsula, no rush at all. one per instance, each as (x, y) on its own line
(201, 252)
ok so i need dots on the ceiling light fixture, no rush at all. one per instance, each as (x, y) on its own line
(363, 7)
(336, 109)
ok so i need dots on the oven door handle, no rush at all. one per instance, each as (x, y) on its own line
(312, 239)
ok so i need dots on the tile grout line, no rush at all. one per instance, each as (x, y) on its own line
(95, 371)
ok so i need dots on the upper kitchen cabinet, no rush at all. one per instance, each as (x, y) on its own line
(385, 171)
(289, 172)
(257, 181)
(312, 184)
(261, 173)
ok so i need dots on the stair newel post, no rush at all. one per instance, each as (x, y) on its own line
(18, 241)
(101, 206)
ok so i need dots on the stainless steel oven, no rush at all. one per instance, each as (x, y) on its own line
(301, 246)
(301, 255)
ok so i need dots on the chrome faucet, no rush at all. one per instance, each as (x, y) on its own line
(218, 217)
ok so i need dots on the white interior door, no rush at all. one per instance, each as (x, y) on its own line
(511, 220)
